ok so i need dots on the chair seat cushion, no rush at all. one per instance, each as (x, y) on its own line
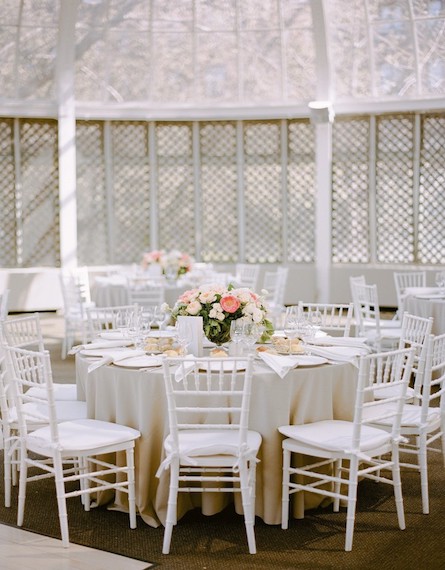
(390, 391)
(334, 435)
(384, 323)
(61, 392)
(194, 443)
(38, 412)
(82, 435)
(411, 415)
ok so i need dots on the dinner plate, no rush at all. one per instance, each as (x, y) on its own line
(143, 361)
(309, 360)
(227, 366)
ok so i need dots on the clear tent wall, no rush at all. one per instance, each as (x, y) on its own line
(187, 125)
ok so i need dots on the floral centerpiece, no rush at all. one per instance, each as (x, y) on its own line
(219, 306)
(173, 261)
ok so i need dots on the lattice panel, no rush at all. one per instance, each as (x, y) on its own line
(300, 192)
(394, 190)
(350, 196)
(38, 213)
(92, 226)
(8, 245)
(176, 200)
(131, 180)
(262, 192)
(219, 192)
(431, 239)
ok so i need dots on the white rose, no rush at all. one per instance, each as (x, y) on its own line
(207, 297)
(194, 307)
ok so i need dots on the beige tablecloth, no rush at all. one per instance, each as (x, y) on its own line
(428, 308)
(136, 398)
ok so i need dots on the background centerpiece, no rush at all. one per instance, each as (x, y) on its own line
(219, 305)
(172, 263)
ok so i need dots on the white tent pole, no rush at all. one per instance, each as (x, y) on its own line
(67, 133)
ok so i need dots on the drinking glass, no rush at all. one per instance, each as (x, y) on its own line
(440, 281)
(182, 339)
(158, 316)
(252, 333)
(122, 320)
(237, 333)
(291, 327)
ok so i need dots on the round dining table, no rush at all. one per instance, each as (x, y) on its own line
(427, 302)
(136, 398)
(113, 291)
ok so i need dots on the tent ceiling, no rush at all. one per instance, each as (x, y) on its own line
(180, 54)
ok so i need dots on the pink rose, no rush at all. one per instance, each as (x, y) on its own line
(230, 304)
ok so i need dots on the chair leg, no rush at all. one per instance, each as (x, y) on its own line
(171, 507)
(285, 490)
(83, 468)
(246, 496)
(352, 503)
(398, 488)
(337, 485)
(61, 501)
(7, 474)
(423, 467)
(131, 489)
(22, 488)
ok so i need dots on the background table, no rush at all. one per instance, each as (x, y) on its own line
(136, 398)
(428, 308)
(113, 292)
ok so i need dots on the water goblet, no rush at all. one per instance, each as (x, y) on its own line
(291, 328)
(159, 316)
(440, 281)
(237, 333)
(182, 339)
(251, 335)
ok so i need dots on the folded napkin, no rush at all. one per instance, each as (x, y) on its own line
(117, 357)
(341, 341)
(420, 291)
(340, 353)
(110, 280)
(184, 369)
(279, 364)
(100, 344)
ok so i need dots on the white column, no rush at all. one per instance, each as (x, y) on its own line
(323, 209)
(67, 133)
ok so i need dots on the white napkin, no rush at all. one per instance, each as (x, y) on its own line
(100, 344)
(110, 280)
(420, 291)
(117, 357)
(352, 341)
(279, 364)
(340, 353)
(183, 370)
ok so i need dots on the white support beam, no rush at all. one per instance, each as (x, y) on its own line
(67, 133)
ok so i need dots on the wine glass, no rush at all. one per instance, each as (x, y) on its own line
(182, 338)
(122, 321)
(252, 333)
(158, 316)
(291, 327)
(440, 281)
(134, 328)
(315, 320)
(237, 333)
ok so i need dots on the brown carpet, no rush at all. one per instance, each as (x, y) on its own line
(219, 542)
